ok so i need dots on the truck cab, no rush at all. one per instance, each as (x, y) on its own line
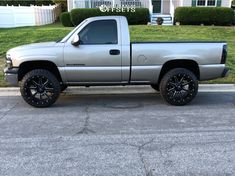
(100, 53)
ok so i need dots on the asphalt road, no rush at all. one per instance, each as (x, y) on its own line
(118, 131)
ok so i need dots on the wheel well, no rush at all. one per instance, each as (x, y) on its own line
(187, 64)
(26, 67)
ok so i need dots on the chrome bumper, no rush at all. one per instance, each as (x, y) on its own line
(11, 76)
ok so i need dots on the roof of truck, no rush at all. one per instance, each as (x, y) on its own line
(106, 17)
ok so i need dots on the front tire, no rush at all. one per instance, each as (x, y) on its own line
(179, 86)
(40, 88)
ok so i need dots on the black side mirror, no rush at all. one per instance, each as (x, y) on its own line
(75, 41)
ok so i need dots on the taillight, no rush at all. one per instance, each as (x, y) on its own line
(224, 54)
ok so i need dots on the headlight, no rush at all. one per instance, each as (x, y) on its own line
(8, 61)
(8, 57)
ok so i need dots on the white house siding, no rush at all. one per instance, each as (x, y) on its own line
(112, 3)
(177, 3)
(70, 5)
(226, 3)
(187, 3)
(166, 7)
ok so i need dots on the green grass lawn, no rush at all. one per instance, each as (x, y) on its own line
(14, 37)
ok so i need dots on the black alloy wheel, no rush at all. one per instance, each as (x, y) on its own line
(179, 86)
(40, 88)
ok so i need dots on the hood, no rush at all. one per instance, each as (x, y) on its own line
(32, 46)
(34, 52)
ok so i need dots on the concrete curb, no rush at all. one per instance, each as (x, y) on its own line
(11, 91)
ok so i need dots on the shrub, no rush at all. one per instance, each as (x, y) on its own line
(43, 2)
(234, 18)
(65, 19)
(204, 15)
(140, 16)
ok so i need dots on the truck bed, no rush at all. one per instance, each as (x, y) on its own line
(147, 58)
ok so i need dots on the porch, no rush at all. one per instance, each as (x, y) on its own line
(164, 9)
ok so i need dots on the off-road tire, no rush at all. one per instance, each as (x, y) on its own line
(40, 88)
(179, 86)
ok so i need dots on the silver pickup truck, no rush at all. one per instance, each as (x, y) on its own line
(99, 52)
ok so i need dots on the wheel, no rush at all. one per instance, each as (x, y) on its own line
(155, 87)
(179, 86)
(63, 87)
(40, 88)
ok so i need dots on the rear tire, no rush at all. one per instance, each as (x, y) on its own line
(40, 88)
(179, 86)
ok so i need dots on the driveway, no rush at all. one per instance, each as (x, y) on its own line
(119, 131)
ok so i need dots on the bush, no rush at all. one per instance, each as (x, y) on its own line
(204, 15)
(65, 19)
(140, 16)
(234, 18)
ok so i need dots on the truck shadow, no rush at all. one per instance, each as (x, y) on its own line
(125, 101)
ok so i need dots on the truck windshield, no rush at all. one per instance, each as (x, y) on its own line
(72, 32)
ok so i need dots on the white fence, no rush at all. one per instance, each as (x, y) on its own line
(16, 16)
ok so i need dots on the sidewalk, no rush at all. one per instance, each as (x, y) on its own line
(14, 91)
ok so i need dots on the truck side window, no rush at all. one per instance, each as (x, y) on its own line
(99, 32)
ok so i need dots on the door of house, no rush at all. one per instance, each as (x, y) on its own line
(157, 6)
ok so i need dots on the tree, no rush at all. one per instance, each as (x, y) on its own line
(233, 3)
(63, 4)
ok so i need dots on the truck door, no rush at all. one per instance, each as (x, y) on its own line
(98, 56)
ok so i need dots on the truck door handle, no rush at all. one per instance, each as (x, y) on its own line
(114, 52)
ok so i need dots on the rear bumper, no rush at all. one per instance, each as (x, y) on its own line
(208, 72)
(225, 72)
(11, 76)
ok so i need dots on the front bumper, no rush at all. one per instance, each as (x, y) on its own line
(11, 76)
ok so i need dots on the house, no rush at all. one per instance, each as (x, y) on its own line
(157, 8)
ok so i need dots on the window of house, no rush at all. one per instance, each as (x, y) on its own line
(99, 32)
(201, 2)
(206, 2)
(211, 2)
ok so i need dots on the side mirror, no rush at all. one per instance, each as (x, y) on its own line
(75, 41)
